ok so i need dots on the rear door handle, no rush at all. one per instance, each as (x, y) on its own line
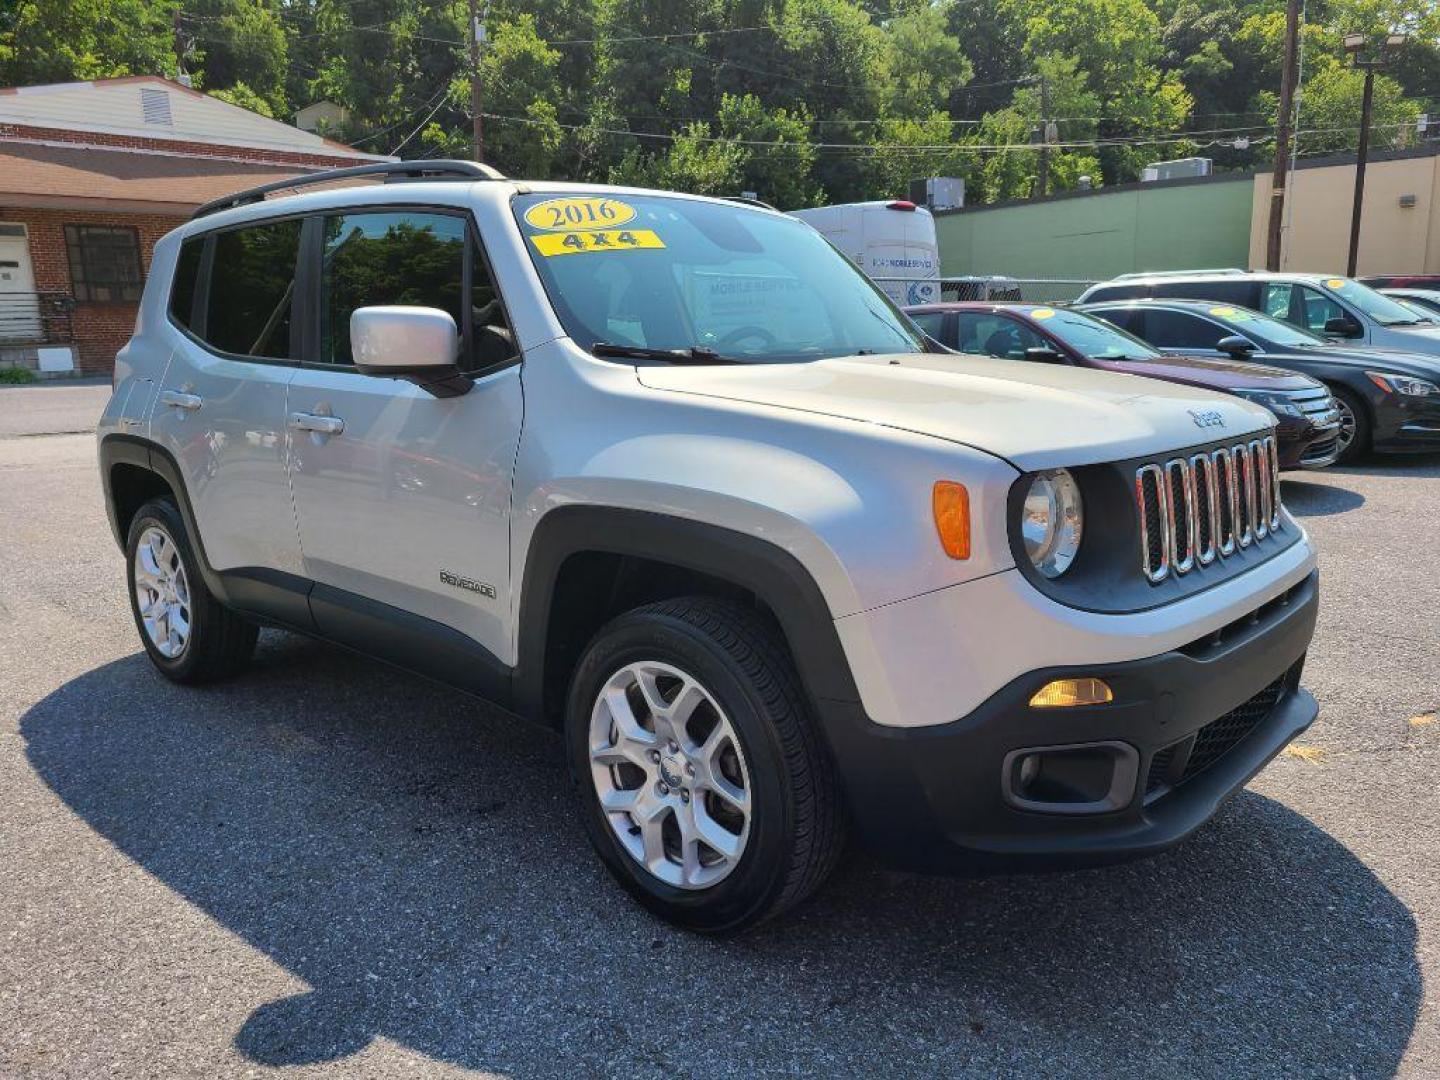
(177, 400)
(324, 425)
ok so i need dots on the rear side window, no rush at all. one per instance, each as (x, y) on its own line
(252, 290)
(1180, 330)
(933, 323)
(1240, 293)
(187, 273)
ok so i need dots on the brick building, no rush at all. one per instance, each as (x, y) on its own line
(91, 175)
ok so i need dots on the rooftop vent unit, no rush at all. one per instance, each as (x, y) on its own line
(155, 107)
(1180, 167)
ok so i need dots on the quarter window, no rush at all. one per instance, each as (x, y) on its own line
(1277, 301)
(104, 263)
(187, 272)
(933, 323)
(252, 290)
(413, 259)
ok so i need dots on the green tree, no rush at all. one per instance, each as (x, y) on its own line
(44, 41)
(240, 47)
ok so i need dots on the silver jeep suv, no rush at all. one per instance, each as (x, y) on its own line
(669, 474)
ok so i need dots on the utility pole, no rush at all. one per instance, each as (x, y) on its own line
(179, 45)
(1354, 44)
(477, 35)
(1288, 79)
(1044, 176)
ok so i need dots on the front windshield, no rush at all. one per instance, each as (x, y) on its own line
(659, 272)
(1379, 307)
(1093, 337)
(1280, 334)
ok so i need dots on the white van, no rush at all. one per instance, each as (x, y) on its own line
(892, 242)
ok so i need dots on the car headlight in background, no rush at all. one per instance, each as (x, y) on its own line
(1403, 384)
(1051, 521)
(1277, 403)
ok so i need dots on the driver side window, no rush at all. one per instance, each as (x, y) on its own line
(1318, 309)
(996, 335)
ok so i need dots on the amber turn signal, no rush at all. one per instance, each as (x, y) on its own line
(951, 504)
(1063, 693)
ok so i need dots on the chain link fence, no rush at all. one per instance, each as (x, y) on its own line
(995, 287)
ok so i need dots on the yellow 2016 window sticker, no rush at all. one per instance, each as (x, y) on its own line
(579, 213)
(572, 243)
(1233, 314)
(1043, 313)
(1336, 283)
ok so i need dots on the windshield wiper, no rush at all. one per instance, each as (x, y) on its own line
(695, 354)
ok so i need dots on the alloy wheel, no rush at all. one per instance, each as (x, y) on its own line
(1347, 425)
(670, 775)
(162, 593)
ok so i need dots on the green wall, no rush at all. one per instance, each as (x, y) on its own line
(1092, 237)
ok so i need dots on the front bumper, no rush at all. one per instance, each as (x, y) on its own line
(941, 798)
(1405, 424)
(1304, 443)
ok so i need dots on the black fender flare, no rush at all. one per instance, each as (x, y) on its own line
(768, 571)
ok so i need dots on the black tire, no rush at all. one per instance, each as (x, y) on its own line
(220, 642)
(1359, 446)
(796, 830)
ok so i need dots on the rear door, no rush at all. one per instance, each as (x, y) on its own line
(220, 409)
(1182, 332)
(404, 511)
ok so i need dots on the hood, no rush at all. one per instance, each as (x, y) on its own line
(1216, 374)
(1376, 358)
(1421, 339)
(1034, 415)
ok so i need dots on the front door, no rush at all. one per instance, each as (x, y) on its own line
(404, 511)
(19, 306)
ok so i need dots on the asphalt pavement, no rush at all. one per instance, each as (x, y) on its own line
(328, 868)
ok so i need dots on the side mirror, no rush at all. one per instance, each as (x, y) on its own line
(1343, 326)
(1235, 345)
(1041, 355)
(418, 344)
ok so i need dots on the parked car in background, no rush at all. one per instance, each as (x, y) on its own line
(892, 242)
(1401, 281)
(1308, 420)
(1337, 307)
(1426, 299)
(1389, 401)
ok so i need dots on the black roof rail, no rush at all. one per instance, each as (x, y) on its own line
(390, 171)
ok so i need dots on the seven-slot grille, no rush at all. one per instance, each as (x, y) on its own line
(1207, 505)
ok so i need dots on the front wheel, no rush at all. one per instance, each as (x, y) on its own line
(705, 786)
(1354, 438)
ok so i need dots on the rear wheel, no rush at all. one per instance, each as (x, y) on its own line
(187, 633)
(1354, 438)
(705, 786)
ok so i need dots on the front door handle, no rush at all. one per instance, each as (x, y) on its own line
(177, 400)
(323, 425)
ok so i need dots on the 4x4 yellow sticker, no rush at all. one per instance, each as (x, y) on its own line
(572, 243)
(577, 212)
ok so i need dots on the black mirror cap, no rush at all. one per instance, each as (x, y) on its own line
(1042, 355)
(1234, 344)
(1343, 327)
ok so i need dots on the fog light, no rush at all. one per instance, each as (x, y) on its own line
(1063, 693)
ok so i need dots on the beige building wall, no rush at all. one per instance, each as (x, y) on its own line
(1393, 240)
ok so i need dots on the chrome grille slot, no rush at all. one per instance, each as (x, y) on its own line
(1154, 512)
(1196, 511)
(1202, 475)
(1180, 527)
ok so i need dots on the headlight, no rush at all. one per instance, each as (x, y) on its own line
(1403, 384)
(1277, 403)
(1051, 521)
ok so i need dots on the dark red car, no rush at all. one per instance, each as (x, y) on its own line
(1308, 422)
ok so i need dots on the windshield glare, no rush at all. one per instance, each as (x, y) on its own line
(1379, 307)
(1095, 338)
(660, 272)
(1281, 334)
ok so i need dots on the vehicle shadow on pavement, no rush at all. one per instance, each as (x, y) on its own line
(418, 862)
(1305, 499)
